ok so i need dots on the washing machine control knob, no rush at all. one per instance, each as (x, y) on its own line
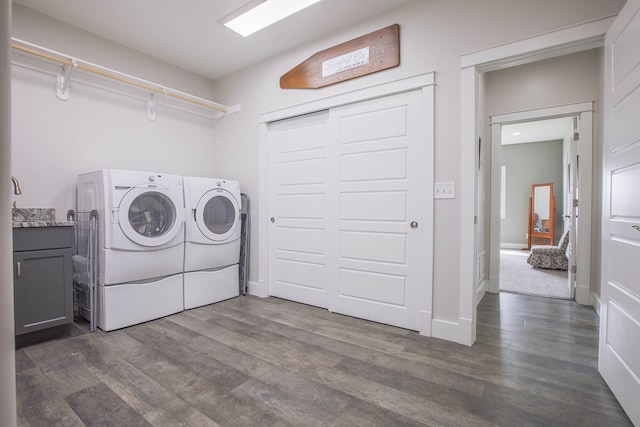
(152, 178)
(219, 184)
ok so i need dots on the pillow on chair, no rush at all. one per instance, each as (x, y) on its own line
(551, 257)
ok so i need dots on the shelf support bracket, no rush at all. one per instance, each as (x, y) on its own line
(152, 106)
(62, 91)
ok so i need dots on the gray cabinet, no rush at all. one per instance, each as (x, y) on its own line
(43, 288)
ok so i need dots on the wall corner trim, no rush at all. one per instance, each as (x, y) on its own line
(460, 332)
(258, 289)
(425, 323)
(595, 302)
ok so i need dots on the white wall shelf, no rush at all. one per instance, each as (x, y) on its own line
(69, 66)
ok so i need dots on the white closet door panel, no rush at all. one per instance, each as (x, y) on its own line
(374, 165)
(379, 196)
(300, 172)
(300, 206)
(298, 192)
(393, 269)
(301, 274)
(296, 140)
(376, 288)
(298, 239)
(371, 125)
(388, 206)
(372, 246)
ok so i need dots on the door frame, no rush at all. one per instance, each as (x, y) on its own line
(585, 112)
(569, 40)
(424, 82)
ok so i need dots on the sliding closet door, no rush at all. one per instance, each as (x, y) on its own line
(379, 193)
(345, 205)
(298, 236)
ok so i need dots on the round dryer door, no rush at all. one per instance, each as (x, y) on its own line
(148, 217)
(218, 215)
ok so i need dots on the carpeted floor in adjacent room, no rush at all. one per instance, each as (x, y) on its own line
(518, 277)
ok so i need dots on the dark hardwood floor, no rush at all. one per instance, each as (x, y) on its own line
(271, 362)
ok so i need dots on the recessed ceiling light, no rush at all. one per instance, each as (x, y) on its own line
(259, 14)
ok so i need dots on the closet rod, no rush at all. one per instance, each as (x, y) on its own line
(110, 74)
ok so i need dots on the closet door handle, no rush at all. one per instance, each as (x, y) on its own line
(18, 269)
(414, 224)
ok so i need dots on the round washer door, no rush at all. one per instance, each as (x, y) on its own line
(218, 215)
(149, 217)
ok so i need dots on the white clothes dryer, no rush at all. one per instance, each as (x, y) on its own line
(212, 240)
(141, 240)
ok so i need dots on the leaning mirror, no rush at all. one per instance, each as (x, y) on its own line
(541, 215)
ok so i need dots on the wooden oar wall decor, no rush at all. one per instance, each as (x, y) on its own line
(364, 55)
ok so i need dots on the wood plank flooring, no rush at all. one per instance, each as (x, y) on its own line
(270, 362)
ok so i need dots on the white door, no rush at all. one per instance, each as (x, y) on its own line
(298, 235)
(379, 188)
(619, 360)
(345, 188)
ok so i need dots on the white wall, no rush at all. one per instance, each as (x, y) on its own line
(34, 27)
(53, 140)
(434, 34)
(7, 332)
(558, 81)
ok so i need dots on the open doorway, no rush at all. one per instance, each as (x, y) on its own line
(576, 142)
(576, 78)
(534, 208)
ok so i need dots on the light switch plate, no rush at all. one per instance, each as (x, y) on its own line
(445, 190)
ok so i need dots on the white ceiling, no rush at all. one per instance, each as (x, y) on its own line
(187, 33)
(538, 131)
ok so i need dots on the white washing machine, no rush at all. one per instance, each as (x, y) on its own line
(141, 240)
(212, 240)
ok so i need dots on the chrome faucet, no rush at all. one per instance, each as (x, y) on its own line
(16, 186)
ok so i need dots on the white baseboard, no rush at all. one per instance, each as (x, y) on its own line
(595, 302)
(257, 289)
(512, 245)
(583, 295)
(481, 289)
(460, 332)
(466, 332)
(425, 323)
(445, 330)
